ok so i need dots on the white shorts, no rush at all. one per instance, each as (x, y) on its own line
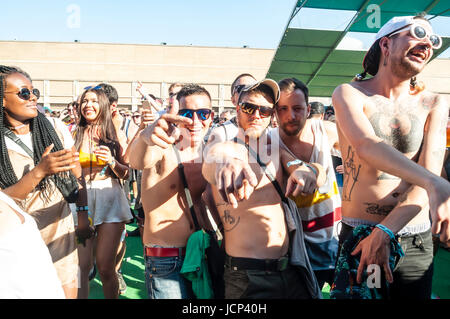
(107, 202)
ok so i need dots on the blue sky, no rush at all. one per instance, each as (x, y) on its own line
(227, 23)
(222, 23)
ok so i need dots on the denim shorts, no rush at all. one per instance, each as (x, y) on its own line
(163, 279)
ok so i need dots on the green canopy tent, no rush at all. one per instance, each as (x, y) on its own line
(311, 55)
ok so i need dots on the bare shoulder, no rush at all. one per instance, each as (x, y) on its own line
(431, 100)
(350, 93)
(360, 88)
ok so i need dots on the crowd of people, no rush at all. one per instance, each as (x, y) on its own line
(282, 194)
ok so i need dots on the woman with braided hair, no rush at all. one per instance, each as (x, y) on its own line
(103, 164)
(39, 169)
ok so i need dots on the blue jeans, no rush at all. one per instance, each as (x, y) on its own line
(163, 279)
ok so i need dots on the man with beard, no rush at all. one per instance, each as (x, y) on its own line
(158, 151)
(306, 139)
(245, 174)
(392, 138)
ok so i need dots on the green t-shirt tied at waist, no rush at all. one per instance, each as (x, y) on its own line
(195, 265)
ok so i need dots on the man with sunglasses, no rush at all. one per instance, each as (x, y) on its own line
(245, 175)
(168, 221)
(392, 138)
(228, 129)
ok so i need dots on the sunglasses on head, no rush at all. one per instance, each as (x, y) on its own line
(25, 93)
(250, 108)
(202, 114)
(419, 32)
(238, 88)
(98, 87)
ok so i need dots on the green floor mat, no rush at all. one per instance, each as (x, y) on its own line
(133, 272)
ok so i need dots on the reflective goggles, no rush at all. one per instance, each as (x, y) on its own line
(202, 114)
(25, 93)
(250, 109)
(419, 32)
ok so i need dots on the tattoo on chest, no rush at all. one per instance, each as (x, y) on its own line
(229, 221)
(376, 209)
(351, 173)
(403, 132)
(399, 124)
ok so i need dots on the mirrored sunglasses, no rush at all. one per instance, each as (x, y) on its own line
(250, 108)
(202, 114)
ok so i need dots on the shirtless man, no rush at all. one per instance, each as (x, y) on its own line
(168, 223)
(392, 138)
(256, 236)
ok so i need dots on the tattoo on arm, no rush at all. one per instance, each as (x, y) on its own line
(351, 173)
(229, 221)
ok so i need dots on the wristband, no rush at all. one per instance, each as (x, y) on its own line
(386, 230)
(300, 163)
(312, 168)
(295, 162)
(113, 161)
(82, 208)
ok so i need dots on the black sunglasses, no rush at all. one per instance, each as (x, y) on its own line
(25, 93)
(202, 114)
(250, 108)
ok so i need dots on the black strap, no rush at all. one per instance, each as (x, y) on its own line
(186, 190)
(264, 168)
(18, 141)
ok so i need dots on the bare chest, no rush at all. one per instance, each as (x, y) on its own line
(400, 124)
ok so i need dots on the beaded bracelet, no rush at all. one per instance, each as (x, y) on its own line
(82, 208)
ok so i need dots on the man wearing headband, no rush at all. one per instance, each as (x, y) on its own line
(392, 137)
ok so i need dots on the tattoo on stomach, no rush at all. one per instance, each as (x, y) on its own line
(376, 209)
(229, 221)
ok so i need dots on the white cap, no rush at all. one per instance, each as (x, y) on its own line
(269, 82)
(394, 24)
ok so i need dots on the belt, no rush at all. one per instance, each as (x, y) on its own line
(164, 252)
(240, 263)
